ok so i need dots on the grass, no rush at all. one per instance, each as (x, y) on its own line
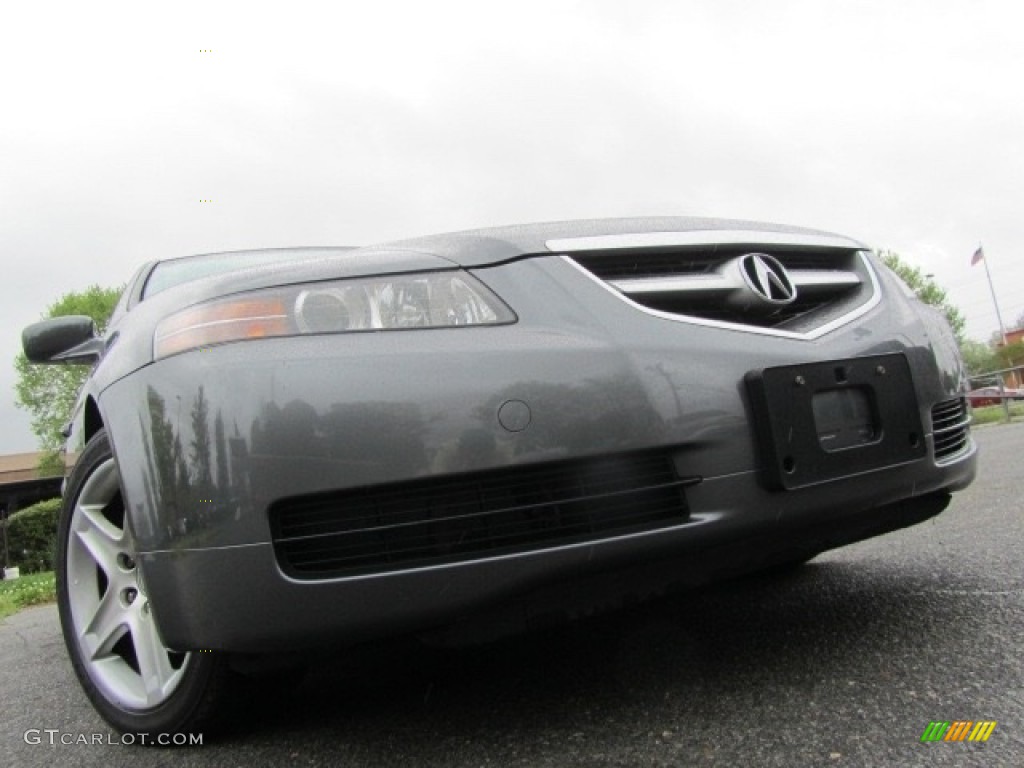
(31, 589)
(994, 414)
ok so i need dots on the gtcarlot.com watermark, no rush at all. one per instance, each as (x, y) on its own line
(55, 737)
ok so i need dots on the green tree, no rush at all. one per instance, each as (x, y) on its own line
(48, 392)
(979, 357)
(927, 290)
(1011, 355)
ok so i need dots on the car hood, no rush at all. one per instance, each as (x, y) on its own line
(484, 247)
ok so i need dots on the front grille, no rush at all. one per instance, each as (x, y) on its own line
(476, 515)
(701, 282)
(950, 424)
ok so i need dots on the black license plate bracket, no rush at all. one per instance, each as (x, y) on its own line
(826, 420)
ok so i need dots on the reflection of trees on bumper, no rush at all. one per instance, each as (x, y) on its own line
(593, 416)
(167, 465)
(200, 465)
(363, 442)
(181, 488)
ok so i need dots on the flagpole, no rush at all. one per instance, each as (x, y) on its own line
(992, 290)
(1002, 332)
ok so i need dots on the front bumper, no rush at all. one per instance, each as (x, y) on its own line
(209, 441)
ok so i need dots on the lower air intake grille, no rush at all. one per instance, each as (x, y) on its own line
(477, 515)
(950, 423)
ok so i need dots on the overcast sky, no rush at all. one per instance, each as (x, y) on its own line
(897, 123)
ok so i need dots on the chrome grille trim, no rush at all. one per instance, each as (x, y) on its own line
(951, 421)
(815, 333)
(711, 285)
(704, 285)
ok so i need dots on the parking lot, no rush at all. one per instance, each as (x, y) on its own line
(843, 663)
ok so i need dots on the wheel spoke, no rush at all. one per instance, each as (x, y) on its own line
(107, 625)
(93, 513)
(101, 547)
(154, 663)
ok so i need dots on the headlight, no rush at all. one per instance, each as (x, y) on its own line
(421, 300)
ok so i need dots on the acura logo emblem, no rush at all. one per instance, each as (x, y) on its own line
(767, 278)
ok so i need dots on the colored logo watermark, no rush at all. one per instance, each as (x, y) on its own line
(959, 730)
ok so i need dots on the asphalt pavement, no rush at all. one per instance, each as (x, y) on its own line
(844, 663)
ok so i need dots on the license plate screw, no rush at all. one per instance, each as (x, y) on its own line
(799, 381)
(880, 370)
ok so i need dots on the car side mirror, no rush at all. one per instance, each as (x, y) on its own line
(68, 339)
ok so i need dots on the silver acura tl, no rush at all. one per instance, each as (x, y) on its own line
(280, 449)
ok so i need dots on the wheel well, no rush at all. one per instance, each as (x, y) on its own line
(93, 422)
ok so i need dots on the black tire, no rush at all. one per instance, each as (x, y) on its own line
(107, 619)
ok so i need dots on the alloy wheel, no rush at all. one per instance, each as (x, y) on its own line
(112, 622)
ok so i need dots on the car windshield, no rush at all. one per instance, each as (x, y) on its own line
(168, 274)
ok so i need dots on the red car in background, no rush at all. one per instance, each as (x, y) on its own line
(991, 396)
